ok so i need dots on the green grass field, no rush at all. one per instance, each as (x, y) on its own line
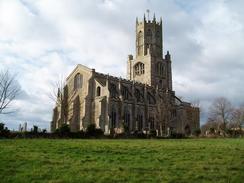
(192, 160)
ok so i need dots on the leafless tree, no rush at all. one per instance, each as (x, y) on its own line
(195, 103)
(238, 118)
(9, 89)
(220, 111)
(59, 94)
(57, 90)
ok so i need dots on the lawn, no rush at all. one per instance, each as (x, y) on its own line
(192, 160)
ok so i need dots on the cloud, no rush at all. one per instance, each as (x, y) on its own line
(41, 40)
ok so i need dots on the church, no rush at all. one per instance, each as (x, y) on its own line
(143, 102)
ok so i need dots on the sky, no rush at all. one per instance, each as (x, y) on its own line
(42, 41)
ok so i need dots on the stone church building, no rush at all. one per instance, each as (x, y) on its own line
(143, 102)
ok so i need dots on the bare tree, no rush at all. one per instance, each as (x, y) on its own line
(59, 94)
(57, 90)
(220, 111)
(195, 103)
(9, 89)
(238, 118)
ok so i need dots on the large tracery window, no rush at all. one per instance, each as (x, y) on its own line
(77, 81)
(139, 68)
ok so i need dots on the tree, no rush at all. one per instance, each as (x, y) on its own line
(64, 130)
(238, 118)
(1, 127)
(35, 129)
(9, 89)
(220, 111)
(4, 132)
(60, 96)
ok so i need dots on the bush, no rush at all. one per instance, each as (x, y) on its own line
(92, 131)
(35, 129)
(177, 136)
(197, 132)
(211, 130)
(63, 131)
(139, 134)
(1, 127)
(79, 134)
(152, 133)
(4, 132)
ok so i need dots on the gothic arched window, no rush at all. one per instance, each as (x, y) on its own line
(158, 34)
(149, 35)
(138, 95)
(139, 68)
(160, 69)
(152, 122)
(140, 121)
(113, 90)
(98, 91)
(127, 118)
(140, 38)
(125, 92)
(113, 118)
(160, 84)
(140, 43)
(150, 98)
(77, 81)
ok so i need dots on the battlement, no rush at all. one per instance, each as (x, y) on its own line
(148, 21)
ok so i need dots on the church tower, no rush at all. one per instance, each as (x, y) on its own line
(149, 66)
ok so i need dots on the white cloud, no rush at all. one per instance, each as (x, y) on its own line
(41, 40)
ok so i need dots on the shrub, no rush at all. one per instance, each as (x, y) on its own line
(177, 136)
(211, 130)
(197, 132)
(4, 132)
(35, 129)
(63, 131)
(139, 134)
(152, 133)
(1, 127)
(92, 131)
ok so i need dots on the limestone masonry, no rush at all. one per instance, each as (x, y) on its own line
(143, 102)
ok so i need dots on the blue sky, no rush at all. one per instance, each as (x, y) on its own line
(43, 40)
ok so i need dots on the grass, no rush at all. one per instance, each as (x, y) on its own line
(193, 160)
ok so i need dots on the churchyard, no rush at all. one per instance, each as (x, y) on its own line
(167, 160)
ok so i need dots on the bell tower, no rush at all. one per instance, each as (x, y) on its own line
(149, 66)
(149, 37)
